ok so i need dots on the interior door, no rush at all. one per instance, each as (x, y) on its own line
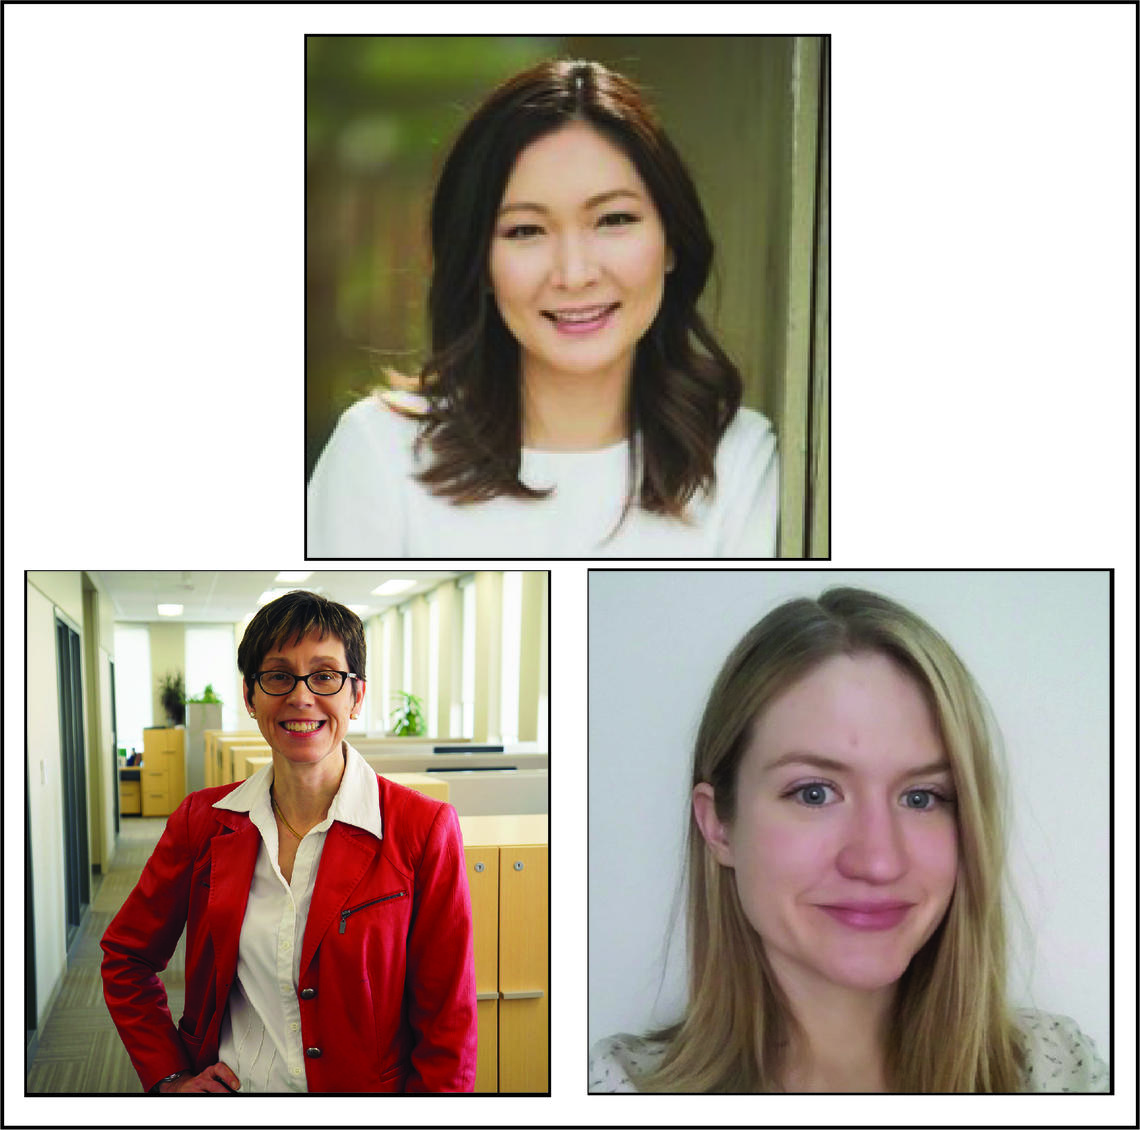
(77, 865)
(114, 746)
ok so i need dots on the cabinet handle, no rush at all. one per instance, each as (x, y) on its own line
(491, 996)
(526, 994)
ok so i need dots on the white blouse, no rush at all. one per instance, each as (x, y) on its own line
(1059, 1057)
(364, 502)
(261, 1031)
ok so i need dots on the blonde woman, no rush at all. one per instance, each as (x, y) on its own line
(845, 921)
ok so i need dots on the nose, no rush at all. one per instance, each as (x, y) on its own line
(300, 694)
(873, 848)
(574, 266)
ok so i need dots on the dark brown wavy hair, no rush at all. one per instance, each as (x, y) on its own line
(682, 398)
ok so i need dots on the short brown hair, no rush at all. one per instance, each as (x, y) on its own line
(288, 620)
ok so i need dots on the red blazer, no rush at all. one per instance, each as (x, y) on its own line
(387, 977)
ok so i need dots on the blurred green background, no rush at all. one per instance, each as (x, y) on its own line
(748, 114)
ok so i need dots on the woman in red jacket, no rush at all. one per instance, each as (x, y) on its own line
(326, 909)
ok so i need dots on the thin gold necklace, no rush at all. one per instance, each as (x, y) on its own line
(282, 815)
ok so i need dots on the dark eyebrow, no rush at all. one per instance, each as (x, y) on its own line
(326, 659)
(593, 202)
(832, 766)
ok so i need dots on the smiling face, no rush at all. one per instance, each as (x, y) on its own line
(578, 256)
(303, 727)
(844, 840)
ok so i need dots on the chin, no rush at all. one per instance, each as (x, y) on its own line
(869, 977)
(309, 756)
(584, 360)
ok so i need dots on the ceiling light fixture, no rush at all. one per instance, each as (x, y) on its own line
(390, 588)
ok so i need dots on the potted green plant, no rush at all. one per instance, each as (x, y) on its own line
(172, 695)
(408, 717)
(208, 695)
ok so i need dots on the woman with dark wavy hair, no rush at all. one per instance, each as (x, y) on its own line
(575, 403)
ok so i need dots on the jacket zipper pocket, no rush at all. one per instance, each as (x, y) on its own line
(364, 905)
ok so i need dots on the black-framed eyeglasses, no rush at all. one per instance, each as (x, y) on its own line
(319, 682)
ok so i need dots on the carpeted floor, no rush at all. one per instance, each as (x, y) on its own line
(79, 1050)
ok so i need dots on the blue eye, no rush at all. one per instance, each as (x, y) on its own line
(813, 795)
(933, 799)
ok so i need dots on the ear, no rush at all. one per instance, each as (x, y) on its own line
(358, 692)
(245, 696)
(715, 833)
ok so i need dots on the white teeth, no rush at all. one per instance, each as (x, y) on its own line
(301, 727)
(582, 315)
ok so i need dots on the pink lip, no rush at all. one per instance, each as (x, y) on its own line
(868, 915)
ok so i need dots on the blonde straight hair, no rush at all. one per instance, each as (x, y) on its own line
(952, 1030)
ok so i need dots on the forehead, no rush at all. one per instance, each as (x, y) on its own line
(864, 709)
(569, 166)
(312, 645)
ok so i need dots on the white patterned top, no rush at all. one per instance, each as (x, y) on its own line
(1059, 1055)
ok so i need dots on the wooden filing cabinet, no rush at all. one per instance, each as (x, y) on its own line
(213, 740)
(508, 875)
(163, 771)
(130, 792)
(231, 758)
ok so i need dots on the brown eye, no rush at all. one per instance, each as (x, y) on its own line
(275, 682)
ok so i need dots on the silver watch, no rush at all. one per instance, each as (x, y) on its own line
(169, 1079)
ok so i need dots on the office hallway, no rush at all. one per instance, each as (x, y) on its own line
(79, 1050)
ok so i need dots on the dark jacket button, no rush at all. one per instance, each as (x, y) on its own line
(308, 994)
(313, 1053)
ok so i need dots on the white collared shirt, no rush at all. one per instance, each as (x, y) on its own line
(261, 1031)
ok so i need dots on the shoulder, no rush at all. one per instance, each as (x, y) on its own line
(410, 819)
(749, 426)
(617, 1061)
(1059, 1056)
(410, 805)
(206, 797)
(199, 805)
(748, 444)
(386, 412)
